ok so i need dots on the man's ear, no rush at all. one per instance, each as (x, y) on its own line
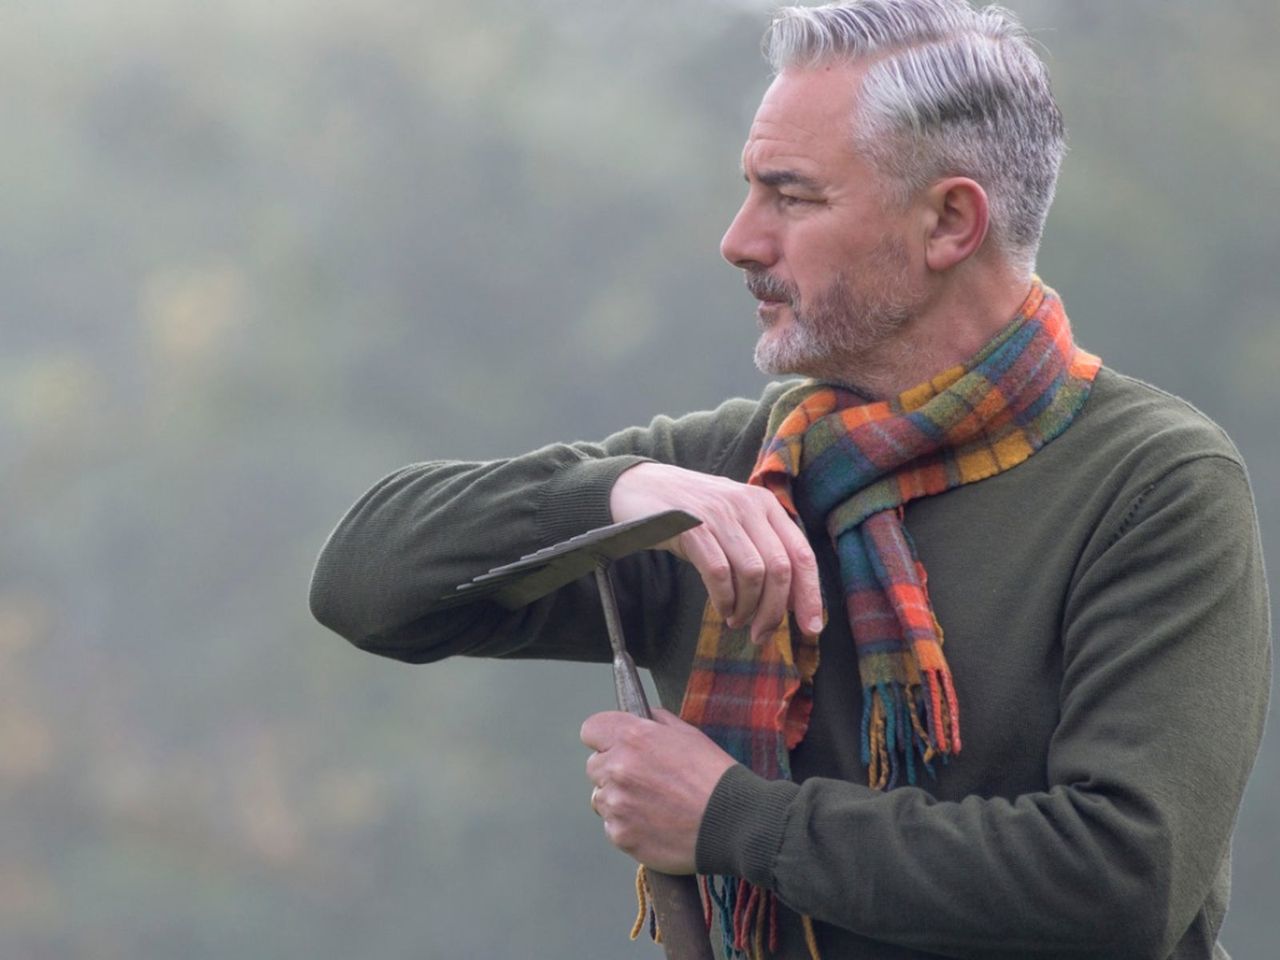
(957, 222)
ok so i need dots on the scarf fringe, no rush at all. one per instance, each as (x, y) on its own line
(644, 908)
(903, 722)
(748, 916)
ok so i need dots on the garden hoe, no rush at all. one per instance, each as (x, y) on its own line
(677, 902)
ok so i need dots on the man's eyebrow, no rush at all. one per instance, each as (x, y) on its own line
(783, 178)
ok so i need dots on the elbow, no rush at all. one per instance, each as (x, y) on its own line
(333, 606)
(345, 596)
(349, 598)
(1132, 920)
(353, 587)
(1132, 912)
(329, 598)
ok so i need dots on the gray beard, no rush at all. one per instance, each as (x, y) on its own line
(843, 334)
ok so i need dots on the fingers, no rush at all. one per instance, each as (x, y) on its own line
(744, 564)
(753, 559)
(805, 597)
(773, 591)
(702, 548)
(601, 730)
(651, 783)
(773, 569)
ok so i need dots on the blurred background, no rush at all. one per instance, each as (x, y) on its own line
(253, 256)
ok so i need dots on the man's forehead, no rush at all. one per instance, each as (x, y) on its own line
(811, 95)
(804, 118)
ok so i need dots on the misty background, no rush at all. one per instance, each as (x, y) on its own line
(254, 256)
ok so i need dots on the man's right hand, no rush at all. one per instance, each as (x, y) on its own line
(753, 558)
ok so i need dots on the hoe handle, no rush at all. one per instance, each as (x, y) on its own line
(677, 902)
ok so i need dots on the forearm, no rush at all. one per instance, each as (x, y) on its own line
(1055, 874)
(429, 527)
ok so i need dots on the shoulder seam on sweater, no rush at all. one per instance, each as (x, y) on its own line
(1136, 505)
(1182, 402)
(1127, 520)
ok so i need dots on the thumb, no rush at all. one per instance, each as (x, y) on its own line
(667, 719)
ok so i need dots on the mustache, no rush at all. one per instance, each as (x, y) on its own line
(764, 286)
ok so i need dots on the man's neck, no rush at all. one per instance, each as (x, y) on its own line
(951, 327)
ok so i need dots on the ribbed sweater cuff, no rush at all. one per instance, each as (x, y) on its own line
(576, 498)
(743, 825)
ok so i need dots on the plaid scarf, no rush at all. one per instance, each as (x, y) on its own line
(833, 454)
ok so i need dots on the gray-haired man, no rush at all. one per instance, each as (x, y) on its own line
(1086, 543)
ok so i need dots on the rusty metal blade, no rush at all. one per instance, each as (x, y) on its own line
(537, 574)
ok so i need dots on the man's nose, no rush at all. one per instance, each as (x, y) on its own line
(748, 242)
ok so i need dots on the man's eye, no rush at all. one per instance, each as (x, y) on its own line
(787, 200)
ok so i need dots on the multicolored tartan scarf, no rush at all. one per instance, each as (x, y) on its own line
(831, 453)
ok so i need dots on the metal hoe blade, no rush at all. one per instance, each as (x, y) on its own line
(534, 576)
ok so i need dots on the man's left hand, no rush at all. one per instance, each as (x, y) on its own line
(652, 781)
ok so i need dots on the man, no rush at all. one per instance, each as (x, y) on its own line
(1060, 776)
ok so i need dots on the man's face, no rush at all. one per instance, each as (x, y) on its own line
(825, 250)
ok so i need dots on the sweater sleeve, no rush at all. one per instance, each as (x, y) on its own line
(428, 527)
(1166, 649)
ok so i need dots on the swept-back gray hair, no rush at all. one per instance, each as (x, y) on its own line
(951, 91)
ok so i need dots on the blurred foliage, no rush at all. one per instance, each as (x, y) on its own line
(256, 255)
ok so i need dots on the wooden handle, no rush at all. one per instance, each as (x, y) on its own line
(678, 907)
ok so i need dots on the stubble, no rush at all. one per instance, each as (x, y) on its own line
(846, 333)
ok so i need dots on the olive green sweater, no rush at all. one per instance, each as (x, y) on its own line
(1107, 625)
